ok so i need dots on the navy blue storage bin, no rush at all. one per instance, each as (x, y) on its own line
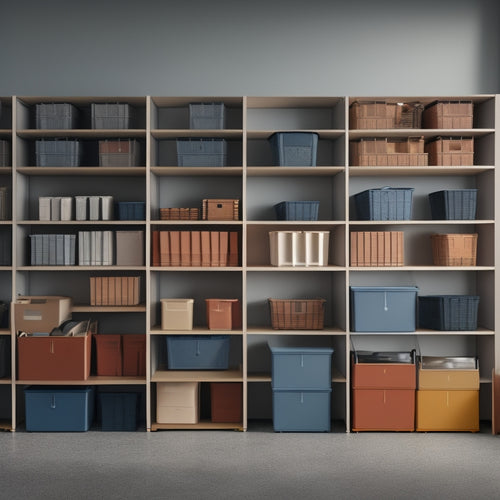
(383, 308)
(118, 411)
(384, 204)
(203, 152)
(198, 352)
(5, 366)
(301, 411)
(453, 204)
(294, 149)
(297, 210)
(448, 312)
(131, 210)
(59, 409)
(301, 367)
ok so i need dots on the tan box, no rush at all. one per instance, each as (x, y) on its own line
(388, 152)
(54, 358)
(177, 402)
(40, 314)
(377, 248)
(382, 114)
(454, 249)
(447, 411)
(220, 209)
(129, 248)
(448, 114)
(451, 151)
(177, 314)
(430, 379)
(114, 291)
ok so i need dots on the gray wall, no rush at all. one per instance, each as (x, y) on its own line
(257, 47)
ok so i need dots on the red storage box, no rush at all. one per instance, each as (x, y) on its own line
(226, 400)
(134, 355)
(223, 314)
(54, 358)
(384, 376)
(109, 355)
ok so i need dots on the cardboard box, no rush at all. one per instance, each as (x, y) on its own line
(54, 358)
(177, 402)
(40, 314)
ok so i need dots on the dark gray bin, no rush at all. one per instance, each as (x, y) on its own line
(207, 115)
(201, 152)
(384, 204)
(453, 204)
(61, 115)
(58, 153)
(448, 312)
(111, 115)
(294, 149)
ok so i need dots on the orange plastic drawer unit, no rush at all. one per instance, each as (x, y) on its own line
(448, 411)
(383, 410)
(448, 379)
(383, 376)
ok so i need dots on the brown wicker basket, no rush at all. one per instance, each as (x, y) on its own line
(297, 314)
(179, 213)
(454, 249)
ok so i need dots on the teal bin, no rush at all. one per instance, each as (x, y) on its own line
(383, 308)
(301, 368)
(59, 409)
(301, 411)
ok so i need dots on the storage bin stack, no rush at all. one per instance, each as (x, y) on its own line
(302, 385)
(448, 394)
(383, 391)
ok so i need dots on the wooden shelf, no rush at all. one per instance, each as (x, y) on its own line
(203, 424)
(82, 133)
(266, 171)
(156, 330)
(84, 171)
(92, 380)
(197, 171)
(271, 331)
(479, 332)
(120, 223)
(323, 134)
(355, 171)
(103, 309)
(186, 133)
(337, 377)
(232, 375)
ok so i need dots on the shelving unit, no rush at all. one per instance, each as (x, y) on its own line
(251, 177)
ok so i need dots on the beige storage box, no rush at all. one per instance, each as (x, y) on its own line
(129, 248)
(40, 314)
(177, 402)
(177, 314)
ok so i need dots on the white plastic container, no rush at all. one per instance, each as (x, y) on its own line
(177, 402)
(177, 314)
(299, 248)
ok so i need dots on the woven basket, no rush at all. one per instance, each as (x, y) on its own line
(454, 249)
(297, 314)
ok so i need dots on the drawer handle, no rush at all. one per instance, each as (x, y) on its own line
(301, 398)
(53, 402)
(302, 361)
(197, 348)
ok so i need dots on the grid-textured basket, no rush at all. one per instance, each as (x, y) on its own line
(4, 153)
(294, 149)
(382, 114)
(448, 312)
(297, 314)
(454, 249)
(207, 115)
(448, 114)
(384, 204)
(58, 153)
(453, 204)
(297, 210)
(203, 152)
(119, 153)
(450, 151)
(60, 115)
(111, 115)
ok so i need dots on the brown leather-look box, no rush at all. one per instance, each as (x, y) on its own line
(383, 376)
(226, 400)
(109, 355)
(383, 410)
(134, 355)
(54, 358)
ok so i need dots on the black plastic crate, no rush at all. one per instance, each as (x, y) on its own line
(453, 204)
(297, 210)
(448, 312)
(118, 411)
(384, 204)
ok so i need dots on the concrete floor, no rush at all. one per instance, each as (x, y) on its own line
(258, 464)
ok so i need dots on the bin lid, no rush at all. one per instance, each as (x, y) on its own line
(384, 288)
(301, 350)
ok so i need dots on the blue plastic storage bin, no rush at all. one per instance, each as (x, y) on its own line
(206, 152)
(383, 309)
(198, 352)
(448, 312)
(384, 204)
(301, 367)
(59, 409)
(453, 204)
(131, 210)
(118, 411)
(294, 149)
(297, 210)
(301, 411)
